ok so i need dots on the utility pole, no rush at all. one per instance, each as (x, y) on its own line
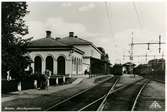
(162, 54)
(148, 44)
(159, 43)
(146, 57)
(131, 47)
(148, 48)
(131, 54)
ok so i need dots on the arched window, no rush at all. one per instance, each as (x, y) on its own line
(79, 64)
(61, 65)
(49, 63)
(38, 64)
(74, 64)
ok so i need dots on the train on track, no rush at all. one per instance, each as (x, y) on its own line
(117, 70)
(154, 69)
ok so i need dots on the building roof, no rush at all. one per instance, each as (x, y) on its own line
(69, 41)
(47, 42)
(74, 41)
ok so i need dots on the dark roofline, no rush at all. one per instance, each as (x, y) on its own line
(92, 46)
(58, 48)
(91, 43)
(88, 43)
(96, 48)
(48, 46)
(54, 39)
(78, 50)
(90, 57)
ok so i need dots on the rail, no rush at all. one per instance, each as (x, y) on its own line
(103, 97)
(137, 97)
(75, 95)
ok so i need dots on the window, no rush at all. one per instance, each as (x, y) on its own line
(75, 64)
(91, 52)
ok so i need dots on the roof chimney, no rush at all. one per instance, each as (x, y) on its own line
(48, 34)
(71, 34)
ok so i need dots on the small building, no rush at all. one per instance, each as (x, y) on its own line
(60, 59)
(128, 68)
(70, 55)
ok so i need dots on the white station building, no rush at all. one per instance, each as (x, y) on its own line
(70, 55)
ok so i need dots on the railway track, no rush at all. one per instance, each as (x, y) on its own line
(124, 98)
(82, 99)
(104, 97)
(100, 103)
(163, 82)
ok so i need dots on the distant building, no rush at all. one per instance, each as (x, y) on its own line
(128, 68)
(70, 55)
(154, 69)
(156, 63)
(105, 59)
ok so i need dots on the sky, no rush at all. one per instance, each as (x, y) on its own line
(106, 24)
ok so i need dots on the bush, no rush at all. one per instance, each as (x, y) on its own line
(9, 86)
(52, 81)
(27, 84)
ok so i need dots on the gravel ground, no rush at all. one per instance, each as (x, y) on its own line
(43, 101)
(127, 79)
(85, 98)
(123, 99)
(154, 92)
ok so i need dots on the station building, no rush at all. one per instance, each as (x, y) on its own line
(70, 55)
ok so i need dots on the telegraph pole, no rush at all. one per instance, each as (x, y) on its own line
(131, 54)
(148, 48)
(146, 57)
(159, 43)
(148, 44)
(131, 47)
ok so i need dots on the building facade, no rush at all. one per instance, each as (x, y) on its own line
(62, 56)
(90, 50)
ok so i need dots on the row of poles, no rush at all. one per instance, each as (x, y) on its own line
(131, 56)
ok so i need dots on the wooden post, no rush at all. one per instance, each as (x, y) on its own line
(48, 82)
(64, 79)
(19, 87)
(35, 84)
(57, 80)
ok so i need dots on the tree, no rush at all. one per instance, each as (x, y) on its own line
(14, 47)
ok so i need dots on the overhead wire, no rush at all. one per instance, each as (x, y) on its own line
(109, 16)
(137, 14)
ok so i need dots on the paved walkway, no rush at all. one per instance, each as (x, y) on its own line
(32, 93)
(152, 97)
